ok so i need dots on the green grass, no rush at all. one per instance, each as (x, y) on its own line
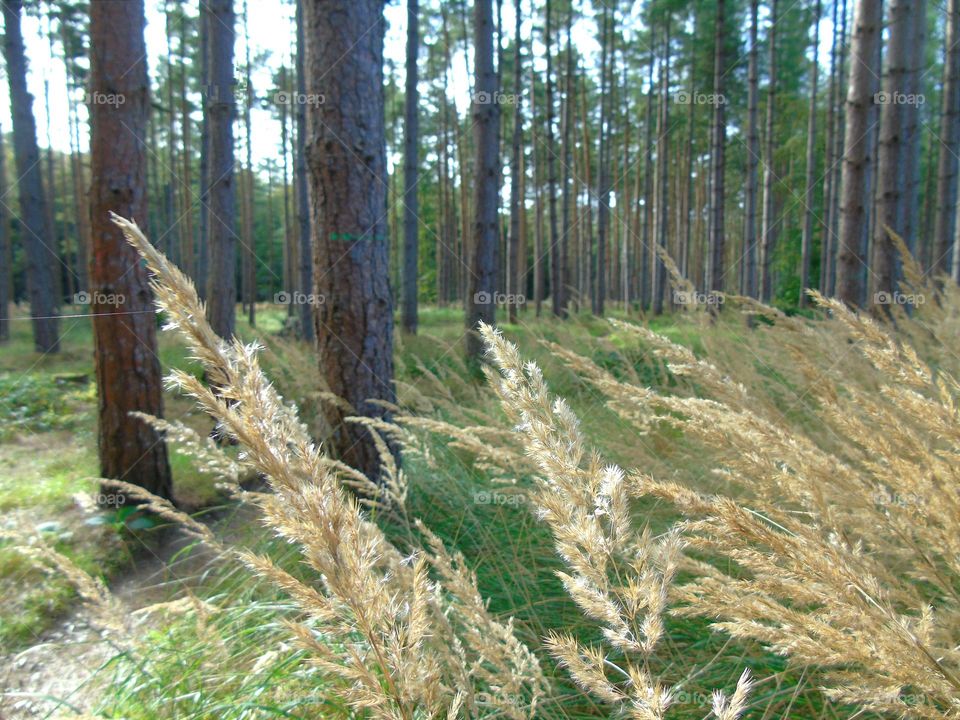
(48, 466)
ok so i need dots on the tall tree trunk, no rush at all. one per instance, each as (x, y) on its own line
(891, 181)
(567, 153)
(410, 173)
(41, 260)
(586, 246)
(603, 172)
(949, 146)
(556, 271)
(768, 221)
(857, 160)
(806, 241)
(220, 111)
(513, 255)
(249, 241)
(305, 256)
(187, 259)
(753, 158)
(346, 160)
(203, 251)
(911, 132)
(826, 237)
(486, 115)
(125, 335)
(647, 249)
(538, 254)
(6, 256)
(663, 138)
(716, 240)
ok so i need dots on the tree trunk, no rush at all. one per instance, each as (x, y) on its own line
(6, 257)
(891, 181)
(603, 182)
(806, 241)
(246, 192)
(346, 161)
(124, 326)
(826, 237)
(857, 160)
(513, 254)
(949, 146)
(768, 220)
(203, 251)
(305, 256)
(567, 151)
(410, 173)
(646, 249)
(556, 272)
(911, 131)
(663, 137)
(486, 115)
(220, 110)
(716, 240)
(41, 260)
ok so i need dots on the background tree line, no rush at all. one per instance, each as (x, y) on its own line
(764, 148)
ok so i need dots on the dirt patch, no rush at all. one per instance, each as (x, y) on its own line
(64, 672)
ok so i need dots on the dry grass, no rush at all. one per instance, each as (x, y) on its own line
(828, 530)
(835, 542)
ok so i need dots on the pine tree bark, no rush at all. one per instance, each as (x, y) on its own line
(911, 132)
(663, 138)
(891, 181)
(220, 110)
(125, 340)
(346, 163)
(486, 115)
(203, 251)
(806, 240)
(410, 173)
(249, 271)
(513, 254)
(949, 146)
(41, 260)
(716, 240)
(857, 158)
(603, 171)
(768, 219)
(6, 256)
(556, 272)
(646, 248)
(567, 153)
(305, 256)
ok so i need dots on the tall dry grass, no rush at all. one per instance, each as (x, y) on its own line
(835, 539)
(827, 531)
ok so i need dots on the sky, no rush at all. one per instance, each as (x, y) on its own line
(271, 30)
